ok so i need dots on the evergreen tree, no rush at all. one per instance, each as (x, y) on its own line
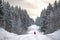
(8, 25)
(1, 14)
(55, 5)
(49, 7)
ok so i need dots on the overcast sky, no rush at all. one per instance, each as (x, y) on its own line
(33, 7)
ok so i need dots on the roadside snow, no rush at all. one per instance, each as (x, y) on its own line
(4, 35)
(55, 35)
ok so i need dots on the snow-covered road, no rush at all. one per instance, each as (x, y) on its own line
(4, 35)
(35, 37)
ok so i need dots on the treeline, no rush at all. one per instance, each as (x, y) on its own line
(14, 19)
(49, 20)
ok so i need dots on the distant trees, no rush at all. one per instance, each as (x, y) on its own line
(16, 20)
(50, 18)
(31, 21)
(38, 21)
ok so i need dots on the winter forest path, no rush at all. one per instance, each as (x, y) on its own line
(32, 34)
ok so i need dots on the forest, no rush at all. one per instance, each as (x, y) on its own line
(17, 20)
(49, 20)
(14, 19)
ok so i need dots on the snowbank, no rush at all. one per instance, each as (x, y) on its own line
(55, 35)
(4, 35)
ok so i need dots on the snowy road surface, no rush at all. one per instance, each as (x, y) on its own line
(4, 35)
(35, 37)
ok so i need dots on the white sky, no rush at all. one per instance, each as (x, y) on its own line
(33, 7)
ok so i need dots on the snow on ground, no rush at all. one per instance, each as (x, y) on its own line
(35, 37)
(55, 35)
(4, 35)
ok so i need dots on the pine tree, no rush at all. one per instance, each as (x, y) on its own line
(0, 7)
(49, 7)
(1, 15)
(55, 5)
(7, 16)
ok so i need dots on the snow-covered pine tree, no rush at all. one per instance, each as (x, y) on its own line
(1, 15)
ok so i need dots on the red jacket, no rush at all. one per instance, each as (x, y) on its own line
(34, 33)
